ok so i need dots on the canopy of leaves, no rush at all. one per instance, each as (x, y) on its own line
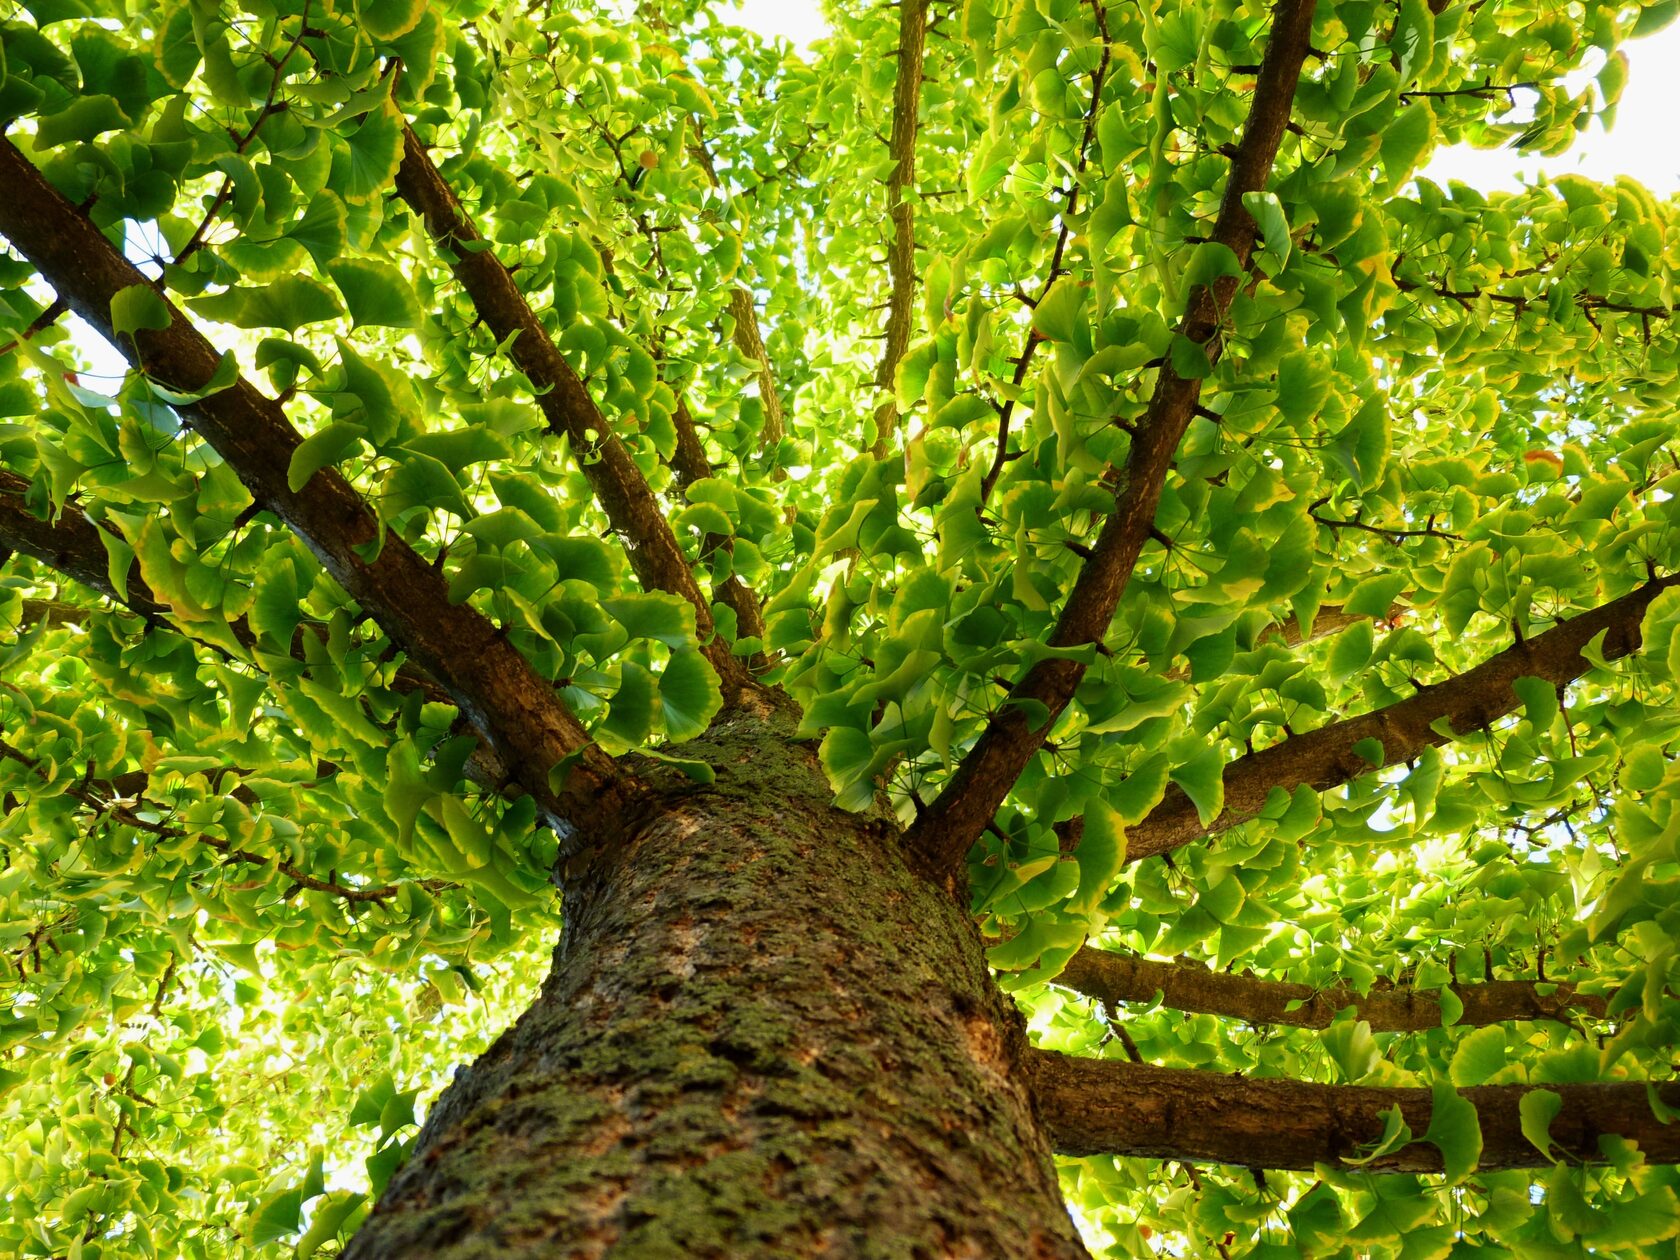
(259, 887)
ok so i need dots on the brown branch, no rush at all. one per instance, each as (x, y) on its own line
(901, 252)
(45, 320)
(1393, 535)
(1586, 302)
(71, 544)
(689, 465)
(623, 493)
(749, 340)
(1110, 1107)
(1471, 701)
(747, 335)
(270, 107)
(514, 710)
(1187, 985)
(941, 838)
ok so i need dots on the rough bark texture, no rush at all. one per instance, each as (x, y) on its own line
(971, 796)
(763, 1036)
(1192, 986)
(1107, 1107)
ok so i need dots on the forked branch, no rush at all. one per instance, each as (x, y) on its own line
(1109, 1107)
(1187, 985)
(514, 710)
(970, 799)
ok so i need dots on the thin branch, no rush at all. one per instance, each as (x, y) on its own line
(1024, 359)
(1393, 535)
(1187, 985)
(45, 320)
(901, 253)
(1111, 1107)
(970, 798)
(515, 710)
(270, 106)
(749, 340)
(623, 493)
(747, 335)
(1587, 302)
(108, 800)
(1471, 701)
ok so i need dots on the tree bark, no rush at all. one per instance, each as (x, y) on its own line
(1108, 1107)
(762, 1035)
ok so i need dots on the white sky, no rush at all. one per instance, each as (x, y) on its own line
(1644, 144)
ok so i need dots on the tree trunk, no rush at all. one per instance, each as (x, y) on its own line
(763, 1035)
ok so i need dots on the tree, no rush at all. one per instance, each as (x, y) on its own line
(1024, 587)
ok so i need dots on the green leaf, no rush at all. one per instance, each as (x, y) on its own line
(1395, 1134)
(1454, 1128)
(376, 293)
(1274, 225)
(1375, 596)
(290, 303)
(1352, 1048)
(80, 121)
(385, 20)
(689, 694)
(1058, 314)
(654, 615)
(1479, 1056)
(1101, 854)
(1537, 1108)
(1203, 781)
(323, 228)
(1209, 263)
(136, 307)
(372, 154)
(631, 714)
(328, 445)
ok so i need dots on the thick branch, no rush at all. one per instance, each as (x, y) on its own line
(901, 252)
(515, 711)
(971, 797)
(1325, 758)
(1109, 1107)
(630, 505)
(71, 544)
(1191, 986)
(749, 340)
